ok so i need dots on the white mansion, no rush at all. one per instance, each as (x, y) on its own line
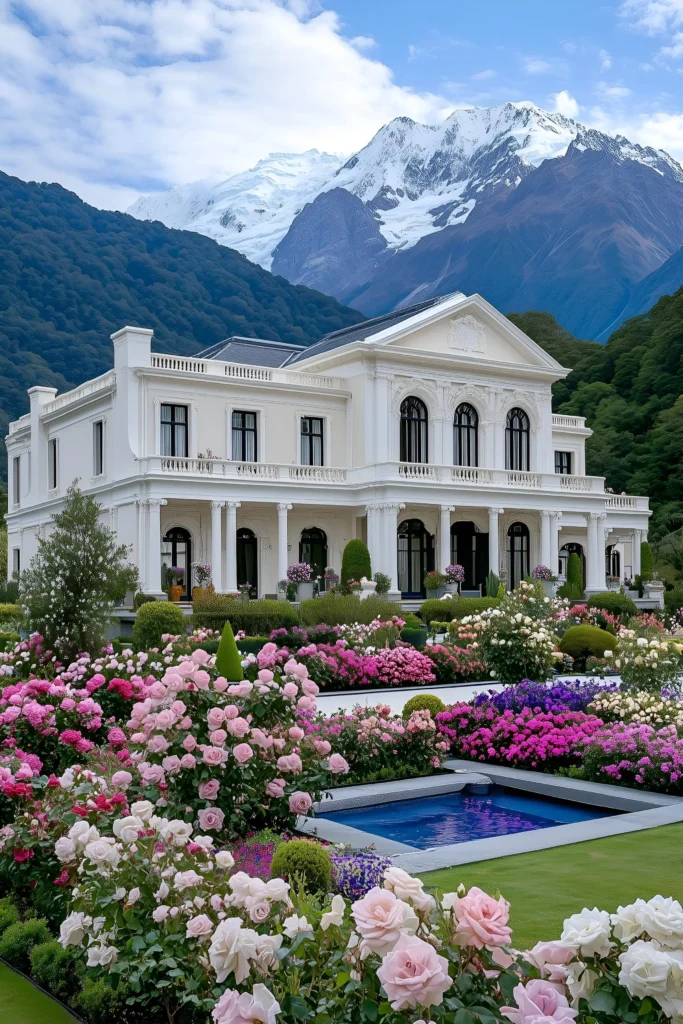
(427, 432)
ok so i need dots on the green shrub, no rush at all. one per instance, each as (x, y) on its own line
(573, 588)
(474, 605)
(54, 969)
(412, 622)
(673, 599)
(383, 583)
(18, 940)
(11, 613)
(8, 913)
(252, 644)
(613, 602)
(8, 640)
(492, 584)
(355, 563)
(339, 610)
(98, 1003)
(141, 599)
(256, 618)
(153, 620)
(647, 562)
(424, 702)
(434, 609)
(228, 661)
(582, 642)
(416, 637)
(304, 862)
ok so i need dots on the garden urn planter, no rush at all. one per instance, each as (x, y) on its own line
(175, 593)
(367, 588)
(450, 588)
(304, 591)
(549, 587)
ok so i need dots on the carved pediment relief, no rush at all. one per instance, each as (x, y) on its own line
(466, 334)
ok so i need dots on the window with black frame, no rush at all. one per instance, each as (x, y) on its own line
(244, 438)
(517, 440)
(563, 463)
(311, 441)
(518, 554)
(414, 435)
(174, 433)
(465, 436)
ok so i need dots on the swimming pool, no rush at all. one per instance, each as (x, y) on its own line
(463, 816)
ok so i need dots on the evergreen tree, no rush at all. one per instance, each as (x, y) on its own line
(77, 574)
(355, 563)
(647, 563)
(228, 660)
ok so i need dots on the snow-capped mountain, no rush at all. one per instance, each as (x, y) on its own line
(250, 211)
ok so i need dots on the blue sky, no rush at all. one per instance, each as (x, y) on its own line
(117, 97)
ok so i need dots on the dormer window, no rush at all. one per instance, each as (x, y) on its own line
(414, 436)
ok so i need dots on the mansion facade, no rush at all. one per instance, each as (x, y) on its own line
(427, 432)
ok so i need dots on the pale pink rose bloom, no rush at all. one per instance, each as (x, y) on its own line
(242, 753)
(178, 708)
(259, 910)
(210, 818)
(322, 747)
(189, 743)
(138, 737)
(157, 744)
(310, 688)
(337, 764)
(306, 703)
(301, 671)
(164, 719)
(201, 679)
(242, 689)
(171, 764)
(231, 711)
(238, 727)
(220, 684)
(152, 773)
(290, 763)
(290, 689)
(291, 665)
(414, 974)
(276, 787)
(198, 927)
(121, 780)
(257, 1007)
(157, 690)
(172, 679)
(214, 756)
(381, 918)
(296, 733)
(261, 739)
(215, 718)
(300, 802)
(279, 743)
(185, 723)
(186, 668)
(209, 790)
(188, 761)
(551, 959)
(218, 737)
(200, 656)
(482, 921)
(539, 1000)
(160, 914)
(265, 675)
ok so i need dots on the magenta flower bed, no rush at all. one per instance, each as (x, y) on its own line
(638, 756)
(339, 667)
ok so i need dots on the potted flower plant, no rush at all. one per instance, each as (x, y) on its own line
(331, 578)
(245, 591)
(613, 582)
(202, 574)
(455, 575)
(435, 583)
(300, 573)
(547, 577)
(174, 581)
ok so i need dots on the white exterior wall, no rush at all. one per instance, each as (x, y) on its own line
(459, 351)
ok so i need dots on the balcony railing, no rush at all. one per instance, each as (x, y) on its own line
(568, 421)
(223, 468)
(240, 371)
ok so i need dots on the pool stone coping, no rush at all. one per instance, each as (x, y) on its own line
(638, 811)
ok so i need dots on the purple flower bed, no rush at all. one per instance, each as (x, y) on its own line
(574, 696)
(357, 873)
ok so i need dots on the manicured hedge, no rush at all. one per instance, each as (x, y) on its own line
(11, 613)
(338, 610)
(252, 644)
(613, 602)
(455, 608)
(583, 641)
(256, 618)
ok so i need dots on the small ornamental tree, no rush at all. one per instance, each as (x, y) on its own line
(355, 563)
(75, 577)
(647, 563)
(573, 588)
(228, 660)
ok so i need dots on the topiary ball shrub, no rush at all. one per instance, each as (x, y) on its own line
(18, 940)
(416, 637)
(434, 610)
(615, 603)
(355, 563)
(228, 658)
(581, 642)
(153, 620)
(303, 862)
(141, 599)
(423, 702)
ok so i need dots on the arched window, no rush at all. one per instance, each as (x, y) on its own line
(517, 440)
(465, 440)
(313, 550)
(518, 553)
(415, 557)
(414, 430)
(176, 553)
(247, 560)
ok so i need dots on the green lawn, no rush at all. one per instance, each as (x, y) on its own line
(545, 887)
(21, 1003)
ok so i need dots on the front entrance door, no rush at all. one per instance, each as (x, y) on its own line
(176, 552)
(415, 557)
(470, 549)
(313, 551)
(247, 561)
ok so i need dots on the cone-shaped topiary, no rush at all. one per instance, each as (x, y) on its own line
(647, 562)
(355, 563)
(228, 660)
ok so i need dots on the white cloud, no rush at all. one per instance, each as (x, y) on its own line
(481, 76)
(363, 42)
(653, 16)
(605, 60)
(659, 130)
(612, 92)
(533, 66)
(114, 97)
(564, 103)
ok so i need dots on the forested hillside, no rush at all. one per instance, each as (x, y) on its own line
(71, 274)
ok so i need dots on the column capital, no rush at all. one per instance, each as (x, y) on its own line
(556, 515)
(496, 511)
(596, 517)
(283, 507)
(234, 504)
(391, 507)
(157, 501)
(141, 502)
(217, 504)
(545, 513)
(369, 509)
(447, 508)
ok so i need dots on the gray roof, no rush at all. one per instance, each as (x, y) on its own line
(251, 351)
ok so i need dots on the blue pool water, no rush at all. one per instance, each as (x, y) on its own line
(460, 817)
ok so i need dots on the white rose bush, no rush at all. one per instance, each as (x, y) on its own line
(647, 663)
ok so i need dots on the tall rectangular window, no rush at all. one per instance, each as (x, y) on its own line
(52, 464)
(174, 431)
(311, 441)
(16, 561)
(563, 463)
(16, 479)
(98, 448)
(244, 446)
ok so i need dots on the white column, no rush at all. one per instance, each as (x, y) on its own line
(445, 537)
(216, 546)
(555, 528)
(231, 545)
(494, 554)
(153, 581)
(374, 538)
(383, 446)
(635, 553)
(389, 532)
(282, 556)
(596, 552)
(545, 540)
(141, 506)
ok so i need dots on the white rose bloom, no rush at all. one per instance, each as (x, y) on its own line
(66, 780)
(143, 809)
(663, 921)
(205, 841)
(103, 853)
(231, 949)
(126, 829)
(294, 925)
(162, 892)
(407, 888)
(102, 956)
(266, 948)
(628, 921)
(65, 850)
(81, 833)
(589, 931)
(335, 915)
(186, 879)
(277, 890)
(644, 970)
(178, 832)
(225, 860)
(133, 896)
(73, 929)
